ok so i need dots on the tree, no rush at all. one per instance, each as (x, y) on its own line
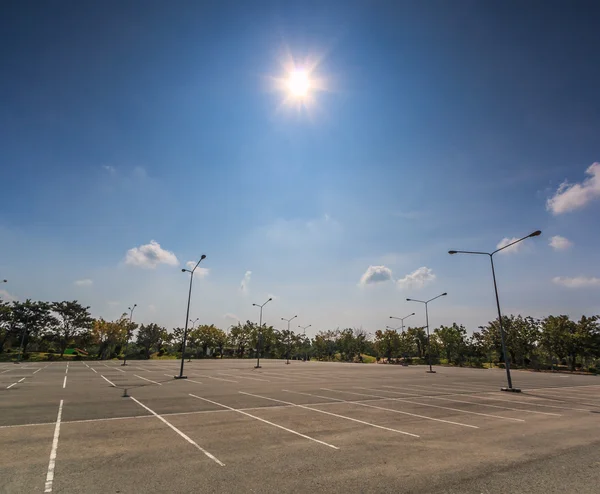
(387, 343)
(107, 334)
(452, 341)
(151, 335)
(73, 319)
(31, 320)
(419, 336)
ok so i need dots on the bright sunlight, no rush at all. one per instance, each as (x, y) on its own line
(298, 83)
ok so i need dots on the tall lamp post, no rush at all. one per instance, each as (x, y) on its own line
(258, 343)
(304, 328)
(187, 316)
(288, 321)
(128, 333)
(193, 324)
(502, 337)
(402, 319)
(426, 302)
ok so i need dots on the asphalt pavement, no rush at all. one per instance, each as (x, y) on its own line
(99, 427)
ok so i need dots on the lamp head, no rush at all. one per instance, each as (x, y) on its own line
(537, 233)
(183, 270)
(269, 299)
(203, 256)
(445, 293)
(452, 252)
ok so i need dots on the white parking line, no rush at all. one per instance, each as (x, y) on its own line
(14, 384)
(52, 462)
(493, 406)
(385, 408)
(530, 403)
(94, 370)
(7, 370)
(429, 405)
(149, 380)
(244, 377)
(218, 378)
(65, 383)
(267, 422)
(120, 370)
(187, 438)
(38, 370)
(332, 414)
(109, 382)
(190, 380)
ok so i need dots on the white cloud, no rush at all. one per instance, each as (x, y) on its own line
(417, 279)
(7, 297)
(560, 243)
(511, 250)
(150, 255)
(245, 282)
(376, 274)
(85, 282)
(200, 272)
(110, 169)
(577, 281)
(569, 197)
(231, 317)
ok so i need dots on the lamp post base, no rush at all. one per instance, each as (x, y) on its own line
(257, 367)
(512, 390)
(123, 364)
(430, 372)
(180, 377)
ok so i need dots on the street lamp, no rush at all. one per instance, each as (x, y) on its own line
(288, 321)
(258, 343)
(304, 328)
(402, 319)
(426, 302)
(128, 333)
(193, 324)
(537, 233)
(187, 317)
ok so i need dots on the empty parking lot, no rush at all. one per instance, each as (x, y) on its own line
(101, 427)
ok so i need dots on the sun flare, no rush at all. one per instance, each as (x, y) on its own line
(298, 83)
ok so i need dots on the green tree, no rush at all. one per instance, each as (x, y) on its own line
(73, 319)
(452, 341)
(107, 334)
(151, 336)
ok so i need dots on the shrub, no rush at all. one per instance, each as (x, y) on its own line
(25, 356)
(77, 357)
(50, 356)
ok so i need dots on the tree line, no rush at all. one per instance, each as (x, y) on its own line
(54, 327)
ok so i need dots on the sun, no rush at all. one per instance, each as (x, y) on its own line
(298, 83)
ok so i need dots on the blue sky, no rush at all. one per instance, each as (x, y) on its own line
(136, 136)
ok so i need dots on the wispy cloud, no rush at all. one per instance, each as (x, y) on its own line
(84, 282)
(200, 272)
(149, 256)
(417, 279)
(577, 281)
(245, 282)
(510, 250)
(570, 197)
(4, 295)
(232, 318)
(111, 170)
(560, 243)
(376, 274)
